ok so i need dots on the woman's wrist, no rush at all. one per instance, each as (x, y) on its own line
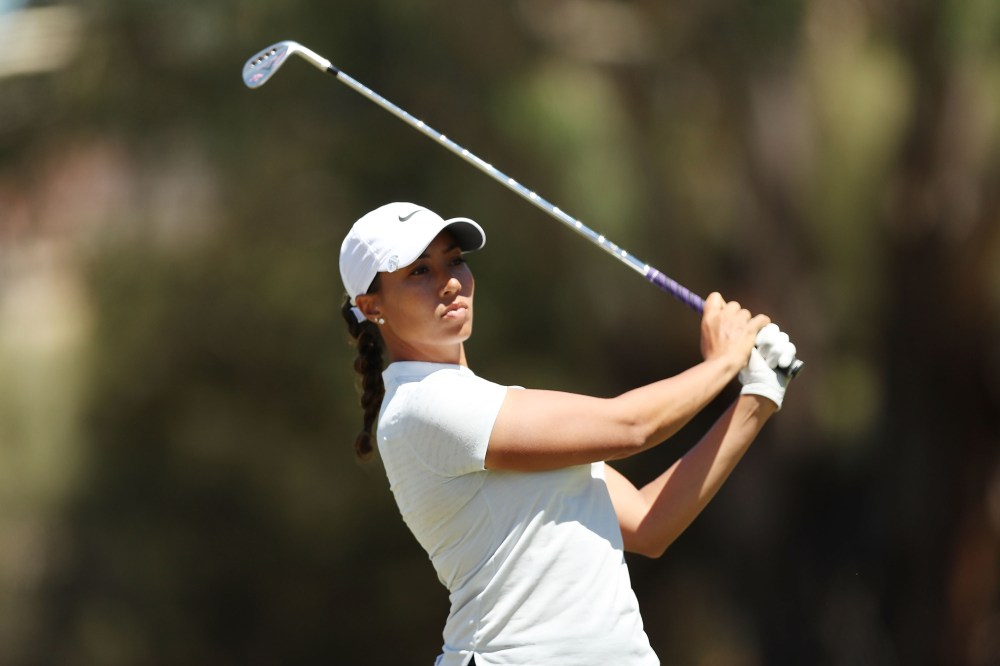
(728, 365)
(756, 407)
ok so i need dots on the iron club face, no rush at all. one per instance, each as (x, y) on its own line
(262, 66)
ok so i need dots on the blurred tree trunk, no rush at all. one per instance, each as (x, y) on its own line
(941, 432)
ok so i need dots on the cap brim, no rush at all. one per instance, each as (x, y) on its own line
(467, 233)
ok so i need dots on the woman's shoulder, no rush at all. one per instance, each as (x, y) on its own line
(440, 388)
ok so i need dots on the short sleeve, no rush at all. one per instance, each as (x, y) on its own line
(449, 419)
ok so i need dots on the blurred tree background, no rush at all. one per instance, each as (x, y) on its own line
(177, 404)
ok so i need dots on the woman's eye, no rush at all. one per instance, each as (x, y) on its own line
(419, 270)
(458, 260)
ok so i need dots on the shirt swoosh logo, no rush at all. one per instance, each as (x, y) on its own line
(404, 218)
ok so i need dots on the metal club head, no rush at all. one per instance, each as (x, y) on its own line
(262, 66)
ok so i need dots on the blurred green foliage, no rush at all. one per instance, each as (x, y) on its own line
(177, 404)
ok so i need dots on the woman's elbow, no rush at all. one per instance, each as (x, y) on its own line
(632, 437)
(647, 545)
(653, 551)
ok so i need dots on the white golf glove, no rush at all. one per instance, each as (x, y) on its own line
(774, 351)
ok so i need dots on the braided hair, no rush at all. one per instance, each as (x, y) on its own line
(369, 364)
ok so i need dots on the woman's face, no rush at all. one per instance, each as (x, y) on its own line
(427, 306)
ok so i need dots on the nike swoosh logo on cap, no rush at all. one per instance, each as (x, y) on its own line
(404, 218)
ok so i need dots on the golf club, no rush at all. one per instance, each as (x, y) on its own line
(259, 69)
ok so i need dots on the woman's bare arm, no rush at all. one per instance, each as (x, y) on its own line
(652, 517)
(539, 430)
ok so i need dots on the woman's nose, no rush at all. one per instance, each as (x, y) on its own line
(451, 286)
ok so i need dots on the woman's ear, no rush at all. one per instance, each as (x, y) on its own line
(369, 306)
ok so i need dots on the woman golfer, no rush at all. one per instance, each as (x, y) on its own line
(507, 488)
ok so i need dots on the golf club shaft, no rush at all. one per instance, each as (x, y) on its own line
(668, 285)
(656, 277)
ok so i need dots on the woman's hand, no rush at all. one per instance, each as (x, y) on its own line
(728, 331)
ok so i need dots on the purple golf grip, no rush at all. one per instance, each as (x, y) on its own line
(678, 291)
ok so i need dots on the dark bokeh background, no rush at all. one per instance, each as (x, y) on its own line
(177, 407)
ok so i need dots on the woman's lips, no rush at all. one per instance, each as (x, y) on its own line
(455, 311)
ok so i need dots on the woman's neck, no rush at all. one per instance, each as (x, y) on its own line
(451, 355)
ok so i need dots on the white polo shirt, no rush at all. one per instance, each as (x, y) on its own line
(533, 561)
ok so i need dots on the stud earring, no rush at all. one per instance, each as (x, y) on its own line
(380, 321)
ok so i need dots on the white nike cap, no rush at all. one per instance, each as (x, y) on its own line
(393, 236)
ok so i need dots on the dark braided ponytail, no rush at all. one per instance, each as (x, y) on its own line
(369, 364)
